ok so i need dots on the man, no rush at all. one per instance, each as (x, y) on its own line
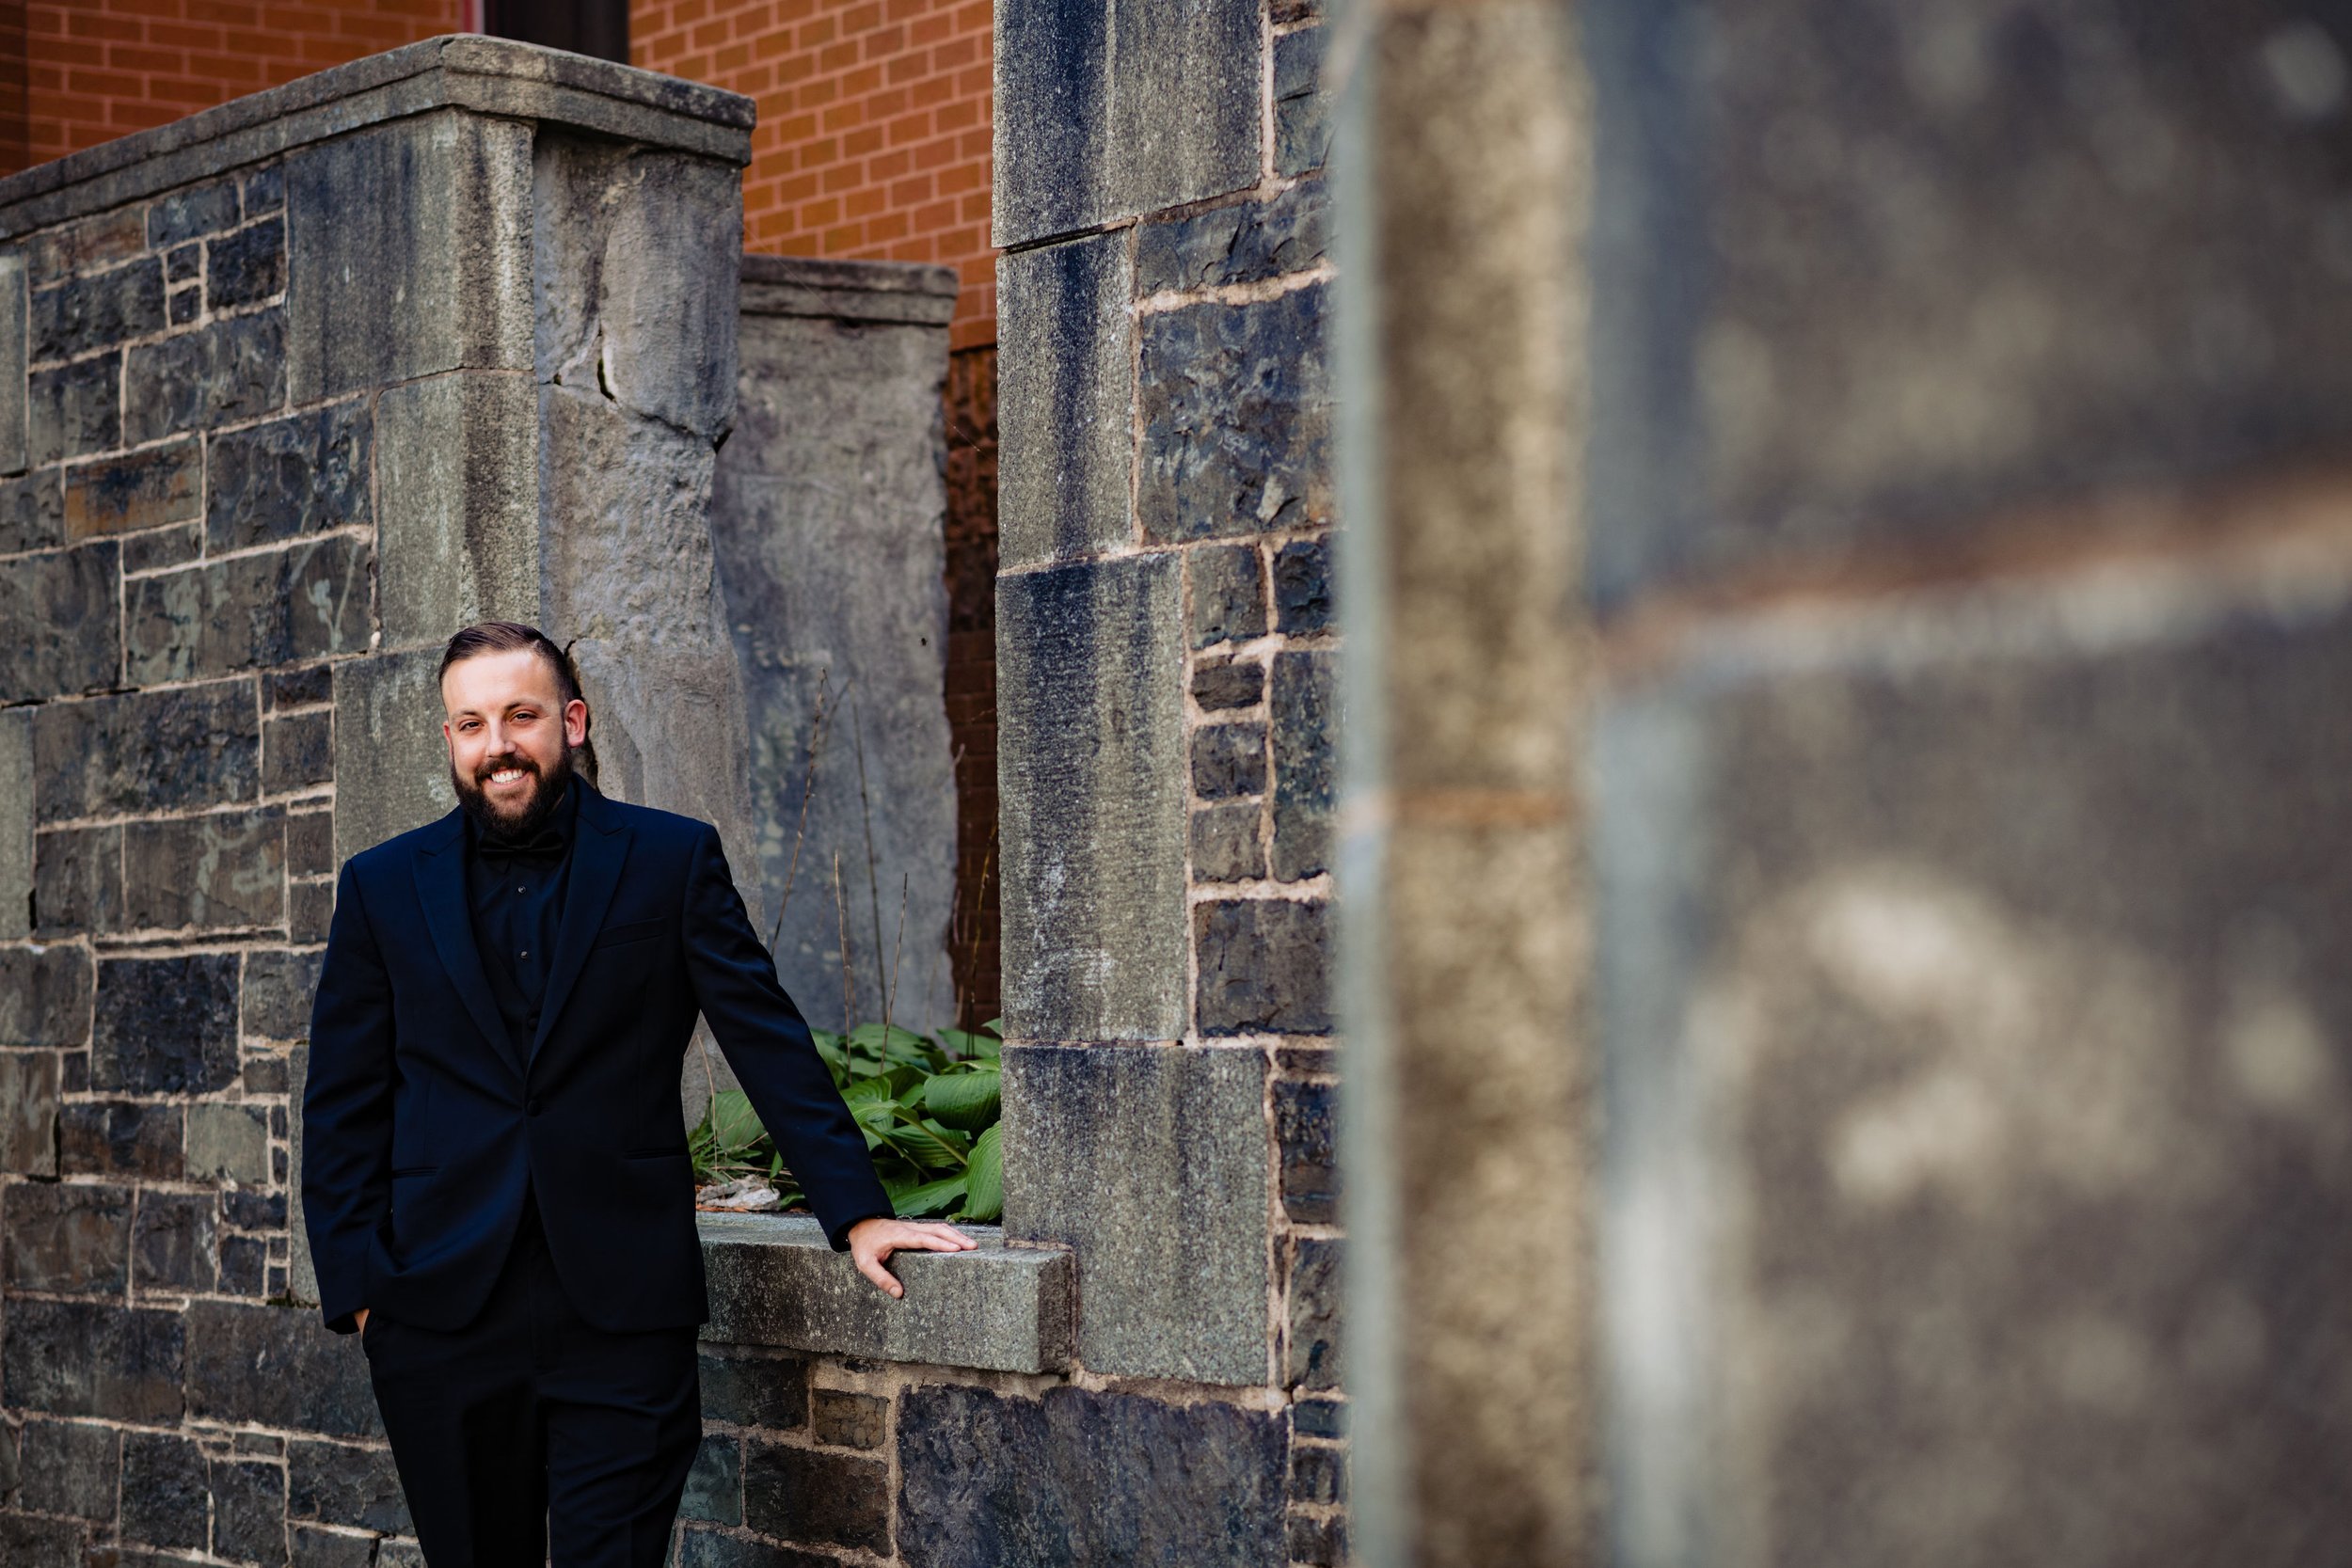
(495, 1176)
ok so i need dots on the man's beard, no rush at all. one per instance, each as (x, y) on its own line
(546, 790)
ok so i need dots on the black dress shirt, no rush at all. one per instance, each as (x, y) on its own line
(516, 892)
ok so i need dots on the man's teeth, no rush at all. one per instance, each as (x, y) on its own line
(504, 774)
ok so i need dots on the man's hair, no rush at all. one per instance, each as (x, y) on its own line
(506, 637)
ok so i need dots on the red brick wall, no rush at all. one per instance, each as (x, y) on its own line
(101, 69)
(873, 135)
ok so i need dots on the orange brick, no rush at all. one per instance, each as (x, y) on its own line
(934, 216)
(839, 239)
(843, 176)
(910, 192)
(884, 228)
(859, 19)
(844, 116)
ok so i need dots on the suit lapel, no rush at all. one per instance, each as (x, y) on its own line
(440, 869)
(597, 850)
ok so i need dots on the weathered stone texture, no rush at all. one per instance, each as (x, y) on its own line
(223, 868)
(754, 1390)
(1091, 755)
(1308, 1135)
(66, 1238)
(1226, 595)
(1244, 242)
(1265, 966)
(245, 267)
(28, 1543)
(1302, 587)
(147, 751)
(44, 995)
(298, 475)
(459, 475)
(342, 1483)
(1081, 1477)
(386, 286)
(166, 1025)
(32, 512)
(1225, 846)
(1303, 704)
(1065, 395)
(71, 596)
(28, 1112)
(15, 352)
(395, 769)
(1236, 404)
(250, 1511)
(228, 1142)
(1108, 108)
(1220, 684)
(69, 1468)
(121, 1138)
(19, 862)
(1229, 760)
(92, 1358)
(714, 1487)
(849, 1421)
(191, 211)
(298, 752)
(135, 490)
(1310, 1350)
(173, 1241)
(98, 310)
(272, 1365)
(314, 1547)
(165, 1500)
(229, 369)
(1151, 1162)
(807, 1495)
(277, 991)
(250, 610)
(1302, 107)
(74, 410)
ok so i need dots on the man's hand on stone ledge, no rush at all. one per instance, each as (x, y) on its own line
(362, 1319)
(872, 1240)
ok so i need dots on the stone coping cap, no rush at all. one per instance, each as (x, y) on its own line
(466, 71)
(910, 291)
(774, 1281)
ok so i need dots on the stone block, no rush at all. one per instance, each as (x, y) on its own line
(1229, 760)
(65, 1237)
(1108, 108)
(172, 1242)
(754, 1390)
(774, 1280)
(191, 211)
(73, 410)
(298, 752)
(92, 1358)
(1225, 846)
(244, 1266)
(228, 1143)
(314, 1547)
(1064, 400)
(1226, 595)
(166, 1025)
(1305, 708)
(28, 1543)
(166, 1500)
(69, 1468)
(272, 607)
(121, 1138)
(1265, 966)
(1080, 1477)
(278, 1367)
(135, 490)
(221, 869)
(250, 1511)
(1308, 1135)
(183, 264)
(1992, 984)
(1244, 242)
(1151, 1162)
(1219, 685)
(1319, 1541)
(282, 688)
(849, 1421)
(457, 464)
(1318, 1475)
(410, 253)
(1319, 1417)
(185, 305)
(245, 267)
(147, 751)
(1310, 1349)
(256, 1211)
(99, 240)
(1091, 762)
(278, 987)
(342, 1483)
(399, 1554)
(85, 315)
(15, 345)
(73, 597)
(807, 1495)
(266, 191)
(233, 368)
(1302, 107)
(310, 844)
(1302, 587)
(704, 1548)
(173, 545)
(714, 1487)
(1236, 404)
(19, 859)
(296, 475)
(44, 997)
(1849, 334)
(32, 512)
(310, 909)
(28, 1112)
(395, 764)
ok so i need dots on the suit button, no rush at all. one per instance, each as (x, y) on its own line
(534, 1106)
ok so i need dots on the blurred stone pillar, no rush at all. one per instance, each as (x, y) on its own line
(1461, 163)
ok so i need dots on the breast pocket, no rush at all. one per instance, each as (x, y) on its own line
(635, 930)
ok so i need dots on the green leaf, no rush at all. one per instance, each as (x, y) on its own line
(932, 1197)
(968, 1101)
(995, 1026)
(734, 1125)
(984, 1180)
(928, 1145)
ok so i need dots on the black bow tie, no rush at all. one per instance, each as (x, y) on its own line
(544, 845)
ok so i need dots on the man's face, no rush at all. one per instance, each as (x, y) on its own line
(511, 739)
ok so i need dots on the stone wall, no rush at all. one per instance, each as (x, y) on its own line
(288, 391)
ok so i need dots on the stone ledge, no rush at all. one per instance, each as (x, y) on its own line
(773, 1281)
(909, 292)
(496, 76)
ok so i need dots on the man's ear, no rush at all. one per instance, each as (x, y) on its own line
(576, 722)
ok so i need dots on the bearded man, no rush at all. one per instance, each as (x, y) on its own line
(495, 1177)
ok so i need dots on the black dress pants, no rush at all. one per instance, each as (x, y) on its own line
(529, 1428)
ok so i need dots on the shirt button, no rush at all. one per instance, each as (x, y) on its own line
(526, 953)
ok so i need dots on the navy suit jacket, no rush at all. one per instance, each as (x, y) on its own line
(421, 1116)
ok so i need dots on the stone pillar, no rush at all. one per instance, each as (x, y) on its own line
(1968, 505)
(828, 521)
(289, 392)
(1464, 150)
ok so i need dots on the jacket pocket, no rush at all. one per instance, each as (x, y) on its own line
(636, 931)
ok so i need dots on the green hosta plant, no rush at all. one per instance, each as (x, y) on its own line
(928, 1107)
